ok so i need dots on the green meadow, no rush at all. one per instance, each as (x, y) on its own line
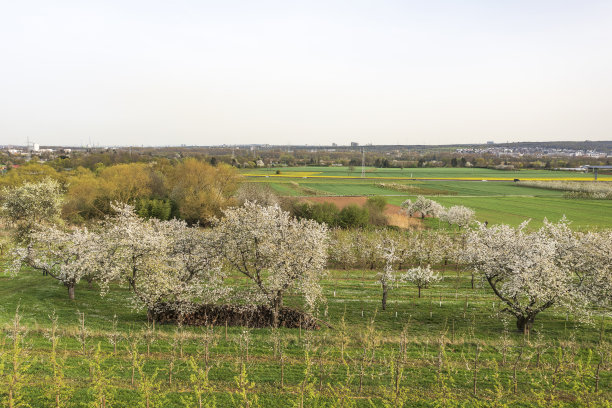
(494, 201)
(451, 347)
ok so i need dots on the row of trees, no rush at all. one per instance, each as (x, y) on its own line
(363, 249)
(171, 263)
(596, 190)
(378, 156)
(457, 215)
(530, 271)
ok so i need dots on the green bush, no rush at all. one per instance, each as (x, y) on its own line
(154, 208)
(353, 216)
(326, 212)
(320, 212)
(376, 207)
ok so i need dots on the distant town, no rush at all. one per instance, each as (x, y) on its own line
(502, 156)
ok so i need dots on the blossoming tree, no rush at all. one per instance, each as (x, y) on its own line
(387, 249)
(276, 252)
(32, 204)
(458, 215)
(529, 271)
(424, 206)
(421, 277)
(167, 264)
(67, 256)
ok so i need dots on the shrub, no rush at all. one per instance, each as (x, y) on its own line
(353, 216)
(327, 213)
(376, 207)
(154, 208)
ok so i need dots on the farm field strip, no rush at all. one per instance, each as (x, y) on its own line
(492, 179)
(372, 187)
(514, 210)
(432, 196)
(499, 202)
(421, 173)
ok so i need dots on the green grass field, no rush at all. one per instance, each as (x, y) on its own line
(583, 214)
(494, 201)
(435, 353)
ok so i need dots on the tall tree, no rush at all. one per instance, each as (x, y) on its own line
(32, 204)
(202, 191)
(67, 256)
(275, 251)
(530, 271)
(166, 263)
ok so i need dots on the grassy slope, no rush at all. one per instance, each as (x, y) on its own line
(349, 294)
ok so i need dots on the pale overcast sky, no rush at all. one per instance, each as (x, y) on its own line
(304, 72)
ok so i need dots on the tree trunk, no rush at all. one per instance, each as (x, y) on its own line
(71, 291)
(524, 323)
(419, 291)
(278, 302)
(384, 298)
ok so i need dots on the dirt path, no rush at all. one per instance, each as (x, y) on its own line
(395, 215)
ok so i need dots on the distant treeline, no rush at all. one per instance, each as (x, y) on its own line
(375, 156)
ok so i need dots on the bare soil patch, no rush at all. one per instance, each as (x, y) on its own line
(395, 214)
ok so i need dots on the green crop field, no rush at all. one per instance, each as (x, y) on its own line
(427, 346)
(584, 214)
(443, 173)
(494, 201)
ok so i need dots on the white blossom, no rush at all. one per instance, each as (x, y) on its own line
(165, 263)
(532, 271)
(458, 215)
(387, 248)
(421, 277)
(275, 251)
(67, 256)
(424, 206)
(31, 204)
(341, 250)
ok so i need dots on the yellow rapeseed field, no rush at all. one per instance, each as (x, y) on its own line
(299, 174)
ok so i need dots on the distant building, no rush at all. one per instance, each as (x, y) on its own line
(490, 142)
(354, 144)
(36, 147)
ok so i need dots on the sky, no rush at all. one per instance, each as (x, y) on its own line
(304, 72)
